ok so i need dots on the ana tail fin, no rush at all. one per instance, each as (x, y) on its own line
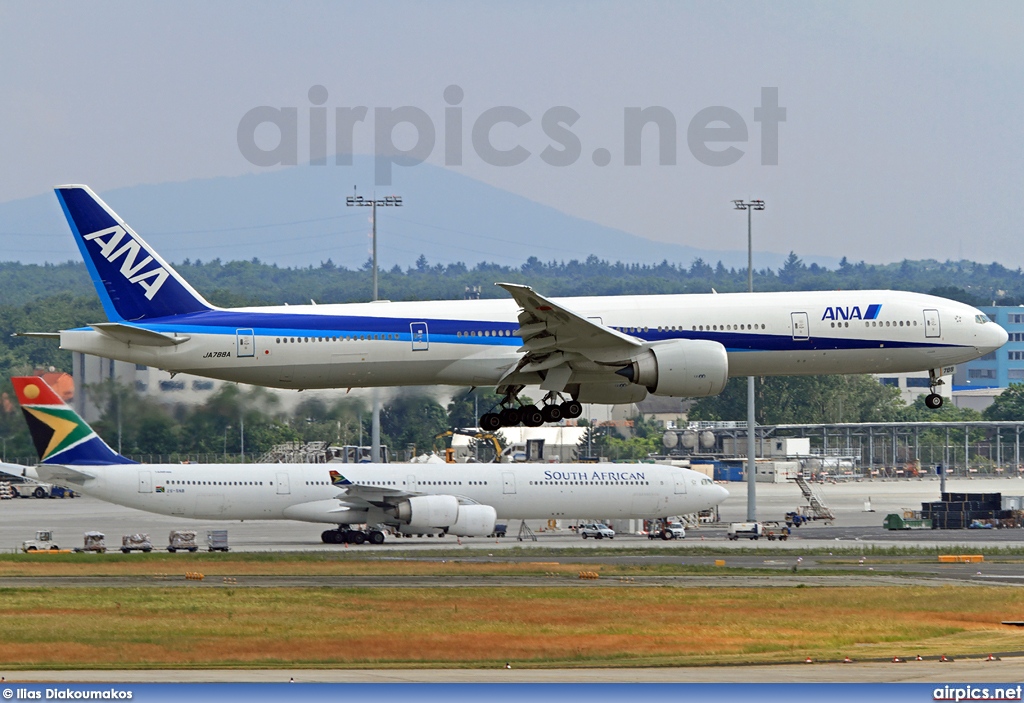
(60, 435)
(133, 282)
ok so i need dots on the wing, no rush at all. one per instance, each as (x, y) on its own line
(358, 496)
(559, 343)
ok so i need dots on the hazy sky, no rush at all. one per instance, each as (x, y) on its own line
(902, 136)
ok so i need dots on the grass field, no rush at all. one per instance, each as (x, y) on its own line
(557, 626)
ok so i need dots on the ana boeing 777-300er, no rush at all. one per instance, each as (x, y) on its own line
(608, 349)
(457, 499)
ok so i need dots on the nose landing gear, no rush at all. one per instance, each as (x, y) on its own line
(933, 400)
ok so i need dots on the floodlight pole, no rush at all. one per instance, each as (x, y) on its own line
(750, 206)
(359, 201)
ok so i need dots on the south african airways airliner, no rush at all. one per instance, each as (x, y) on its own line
(607, 349)
(458, 499)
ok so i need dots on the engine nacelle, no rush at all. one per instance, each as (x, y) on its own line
(684, 368)
(474, 521)
(426, 512)
(610, 393)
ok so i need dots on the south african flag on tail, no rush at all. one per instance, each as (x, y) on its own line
(60, 435)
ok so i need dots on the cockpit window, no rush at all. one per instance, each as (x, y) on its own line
(982, 319)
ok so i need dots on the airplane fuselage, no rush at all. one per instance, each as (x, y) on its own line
(475, 342)
(305, 492)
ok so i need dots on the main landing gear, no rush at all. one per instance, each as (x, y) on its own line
(933, 400)
(344, 535)
(510, 415)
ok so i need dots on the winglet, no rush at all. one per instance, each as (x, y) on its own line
(133, 282)
(60, 435)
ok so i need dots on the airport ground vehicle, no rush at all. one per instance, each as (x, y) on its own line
(500, 530)
(93, 541)
(43, 542)
(41, 490)
(795, 519)
(182, 540)
(671, 530)
(597, 530)
(750, 530)
(217, 541)
(137, 541)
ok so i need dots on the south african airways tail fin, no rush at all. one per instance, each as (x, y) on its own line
(60, 435)
(133, 282)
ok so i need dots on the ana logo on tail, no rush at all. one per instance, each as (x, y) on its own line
(151, 280)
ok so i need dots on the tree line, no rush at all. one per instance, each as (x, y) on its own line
(252, 282)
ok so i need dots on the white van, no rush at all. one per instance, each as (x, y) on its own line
(750, 530)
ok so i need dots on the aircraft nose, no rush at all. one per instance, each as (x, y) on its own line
(1002, 337)
(994, 336)
(720, 494)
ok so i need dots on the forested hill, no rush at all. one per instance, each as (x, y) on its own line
(251, 282)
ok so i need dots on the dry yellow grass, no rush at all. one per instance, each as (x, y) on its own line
(561, 626)
(229, 565)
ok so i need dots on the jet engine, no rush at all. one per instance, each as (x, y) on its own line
(474, 521)
(425, 512)
(684, 368)
(619, 393)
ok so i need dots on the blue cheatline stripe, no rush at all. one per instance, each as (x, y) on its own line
(226, 323)
(872, 312)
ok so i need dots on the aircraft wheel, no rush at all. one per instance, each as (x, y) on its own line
(510, 417)
(376, 537)
(933, 401)
(532, 417)
(358, 537)
(551, 413)
(572, 409)
(490, 422)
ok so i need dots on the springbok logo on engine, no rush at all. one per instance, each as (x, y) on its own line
(151, 280)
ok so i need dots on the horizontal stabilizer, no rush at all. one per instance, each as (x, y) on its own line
(38, 335)
(138, 336)
(61, 475)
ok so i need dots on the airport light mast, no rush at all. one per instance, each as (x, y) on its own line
(355, 200)
(750, 206)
